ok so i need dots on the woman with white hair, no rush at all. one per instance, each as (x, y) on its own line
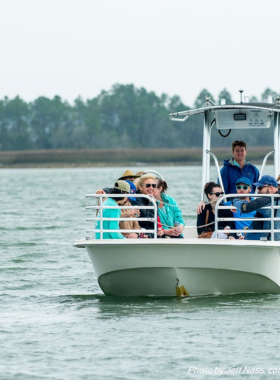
(146, 185)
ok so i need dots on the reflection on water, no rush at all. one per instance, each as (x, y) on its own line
(124, 306)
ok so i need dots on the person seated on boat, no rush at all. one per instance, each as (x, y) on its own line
(235, 168)
(133, 224)
(136, 181)
(127, 175)
(120, 187)
(125, 213)
(146, 185)
(169, 212)
(266, 185)
(139, 174)
(243, 186)
(205, 220)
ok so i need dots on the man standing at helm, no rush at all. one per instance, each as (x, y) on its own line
(235, 168)
(238, 167)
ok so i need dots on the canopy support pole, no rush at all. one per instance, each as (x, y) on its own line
(206, 147)
(276, 144)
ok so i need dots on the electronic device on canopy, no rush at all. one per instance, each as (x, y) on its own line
(243, 119)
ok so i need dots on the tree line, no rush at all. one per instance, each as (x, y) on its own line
(123, 117)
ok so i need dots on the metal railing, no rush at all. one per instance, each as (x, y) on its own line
(217, 168)
(272, 219)
(100, 207)
(264, 163)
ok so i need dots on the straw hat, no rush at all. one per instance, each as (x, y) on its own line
(128, 173)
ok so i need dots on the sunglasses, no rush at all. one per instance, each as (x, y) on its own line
(217, 194)
(261, 187)
(244, 187)
(151, 184)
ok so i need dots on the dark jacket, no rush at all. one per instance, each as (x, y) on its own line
(230, 174)
(108, 189)
(221, 225)
(144, 213)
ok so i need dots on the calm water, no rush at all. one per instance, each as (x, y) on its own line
(55, 323)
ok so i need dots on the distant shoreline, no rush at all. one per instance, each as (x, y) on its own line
(118, 157)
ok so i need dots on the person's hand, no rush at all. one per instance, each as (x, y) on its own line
(133, 235)
(130, 213)
(241, 237)
(171, 232)
(127, 213)
(200, 207)
(136, 213)
(231, 238)
(160, 232)
(179, 230)
(101, 191)
(233, 210)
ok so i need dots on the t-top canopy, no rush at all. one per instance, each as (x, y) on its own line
(236, 106)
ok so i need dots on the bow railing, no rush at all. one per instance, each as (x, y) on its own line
(272, 218)
(100, 207)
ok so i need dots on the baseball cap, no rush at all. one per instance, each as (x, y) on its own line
(132, 190)
(244, 180)
(122, 185)
(266, 180)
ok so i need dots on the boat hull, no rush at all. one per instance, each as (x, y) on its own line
(188, 267)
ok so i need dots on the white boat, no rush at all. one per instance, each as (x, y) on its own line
(192, 266)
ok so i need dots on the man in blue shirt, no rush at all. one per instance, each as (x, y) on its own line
(266, 185)
(238, 167)
(235, 168)
(243, 186)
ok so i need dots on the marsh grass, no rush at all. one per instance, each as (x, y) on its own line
(108, 157)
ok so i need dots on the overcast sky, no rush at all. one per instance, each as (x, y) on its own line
(80, 47)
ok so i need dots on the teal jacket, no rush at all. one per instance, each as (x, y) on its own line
(170, 213)
(110, 224)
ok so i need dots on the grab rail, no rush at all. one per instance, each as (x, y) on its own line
(264, 163)
(100, 207)
(272, 219)
(217, 168)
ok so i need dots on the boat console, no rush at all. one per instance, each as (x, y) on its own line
(234, 116)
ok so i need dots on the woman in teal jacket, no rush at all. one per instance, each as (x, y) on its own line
(121, 187)
(169, 212)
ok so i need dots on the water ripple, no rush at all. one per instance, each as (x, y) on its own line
(55, 322)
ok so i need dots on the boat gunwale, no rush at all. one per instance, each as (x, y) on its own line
(187, 241)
